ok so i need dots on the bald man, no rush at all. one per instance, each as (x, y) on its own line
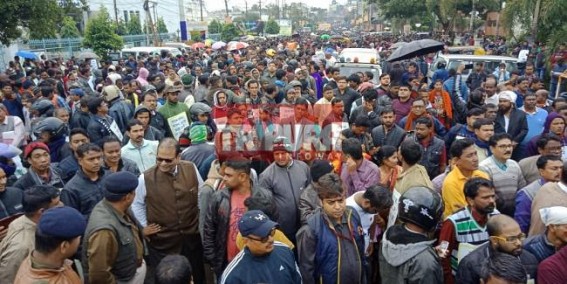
(506, 237)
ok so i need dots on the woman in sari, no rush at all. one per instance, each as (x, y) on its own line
(387, 158)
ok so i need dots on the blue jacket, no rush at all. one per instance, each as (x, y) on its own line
(439, 74)
(539, 246)
(276, 267)
(449, 86)
(323, 253)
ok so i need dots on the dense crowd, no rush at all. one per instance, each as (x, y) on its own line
(267, 164)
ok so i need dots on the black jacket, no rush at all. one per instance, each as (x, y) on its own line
(28, 180)
(517, 127)
(215, 231)
(82, 193)
(468, 271)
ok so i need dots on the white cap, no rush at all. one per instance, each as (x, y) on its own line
(556, 215)
(507, 95)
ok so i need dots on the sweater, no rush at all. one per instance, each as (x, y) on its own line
(506, 182)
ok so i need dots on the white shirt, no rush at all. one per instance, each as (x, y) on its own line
(366, 219)
(139, 205)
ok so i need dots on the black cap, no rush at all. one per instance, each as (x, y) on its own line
(120, 183)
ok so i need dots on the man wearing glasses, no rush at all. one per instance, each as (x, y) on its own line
(467, 227)
(166, 206)
(505, 237)
(504, 172)
(271, 261)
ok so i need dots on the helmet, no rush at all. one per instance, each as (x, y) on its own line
(441, 64)
(44, 107)
(270, 52)
(421, 206)
(199, 108)
(55, 126)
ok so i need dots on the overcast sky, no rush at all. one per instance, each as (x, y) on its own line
(168, 9)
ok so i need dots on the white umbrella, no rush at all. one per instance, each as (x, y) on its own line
(218, 45)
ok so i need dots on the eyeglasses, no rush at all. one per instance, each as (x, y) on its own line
(521, 237)
(505, 146)
(161, 160)
(265, 239)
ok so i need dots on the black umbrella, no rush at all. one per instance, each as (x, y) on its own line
(415, 48)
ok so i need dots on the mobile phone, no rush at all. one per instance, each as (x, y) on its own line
(444, 245)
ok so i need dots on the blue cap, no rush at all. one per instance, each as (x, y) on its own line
(329, 50)
(77, 92)
(255, 222)
(120, 183)
(62, 222)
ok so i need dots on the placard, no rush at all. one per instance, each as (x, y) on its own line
(114, 128)
(177, 124)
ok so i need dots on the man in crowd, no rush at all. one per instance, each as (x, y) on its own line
(465, 166)
(553, 239)
(173, 229)
(285, 178)
(549, 171)
(138, 149)
(483, 130)
(550, 194)
(101, 123)
(70, 165)
(511, 120)
(225, 208)
(468, 225)
(460, 131)
(433, 157)
(40, 172)
(106, 257)
(144, 115)
(504, 172)
(505, 237)
(57, 239)
(330, 247)
(547, 145)
(271, 261)
(357, 172)
(20, 240)
(149, 100)
(407, 253)
(309, 201)
(84, 190)
(389, 133)
(112, 160)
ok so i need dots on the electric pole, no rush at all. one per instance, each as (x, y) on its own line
(201, 4)
(150, 22)
(182, 21)
(260, 10)
(115, 12)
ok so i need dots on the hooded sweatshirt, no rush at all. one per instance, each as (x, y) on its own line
(532, 145)
(143, 76)
(407, 257)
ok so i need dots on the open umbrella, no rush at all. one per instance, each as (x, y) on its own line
(88, 55)
(208, 42)
(26, 54)
(325, 37)
(415, 48)
(236, 45)
(218, 45)
(198, 45)
(397, 45)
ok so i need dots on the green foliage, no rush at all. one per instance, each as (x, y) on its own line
(74, 9)
(69, 28)
(40, 17)
(229, 32)
(272, 27)
(134, 27)
(551, 26)
(195, 36)
(215, 27)
(100, 34)
(121, 28)
(402, 8)
(161, 27)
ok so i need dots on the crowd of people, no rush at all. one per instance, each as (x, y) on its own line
(269, 164)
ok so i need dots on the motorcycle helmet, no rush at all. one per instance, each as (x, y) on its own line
(43, 107)
(421, 206)
(199, 108)
(441, 64)
(53, 125)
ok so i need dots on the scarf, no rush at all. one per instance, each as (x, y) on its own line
(447, 106)
(483, 145)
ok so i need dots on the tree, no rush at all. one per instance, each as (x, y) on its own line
(40, 17)
(550, 26)
(215, 27)
(100, 35)
(69, 28)
(133, 26)
(161, 27)
(229, 31)
(272, 27)
(121, 28)
(74, 9)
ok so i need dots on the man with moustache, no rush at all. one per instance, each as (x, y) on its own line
(549, 168)
(504, 172)
(138, 149)
(511, 120)
(468, 225)
(505, 237)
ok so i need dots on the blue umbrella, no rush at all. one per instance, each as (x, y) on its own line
(26, 54)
